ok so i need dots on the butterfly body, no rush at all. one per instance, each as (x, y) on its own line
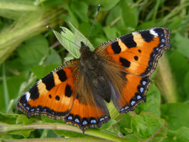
(117, 70)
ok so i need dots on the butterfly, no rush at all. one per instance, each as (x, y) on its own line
(117, 70)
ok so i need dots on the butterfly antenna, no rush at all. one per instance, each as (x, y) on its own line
(62, 35)
(93, 23)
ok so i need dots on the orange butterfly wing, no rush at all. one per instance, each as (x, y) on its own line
(137, 54)
(88, 112)
(52, 96)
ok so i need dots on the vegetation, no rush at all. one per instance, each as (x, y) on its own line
(29, 50)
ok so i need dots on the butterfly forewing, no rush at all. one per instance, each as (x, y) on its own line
(52, 96)
(139, 52)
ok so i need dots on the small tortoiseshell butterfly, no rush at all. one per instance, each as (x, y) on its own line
(117, 70)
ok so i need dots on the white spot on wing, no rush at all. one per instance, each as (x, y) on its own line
(77, 120)
(161, 45)
(139, 97)
(153, 32)
(132, 103)
(39, 81)
(27, 94)
(127, 107)
(122, 109)
(141, 89)
(84, 122)
(93, 121)
(69, 117)
(27, 108)
(101, 119)
(144, 82)
(106, 117)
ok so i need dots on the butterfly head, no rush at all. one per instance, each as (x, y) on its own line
(84, 49)
(87, 58)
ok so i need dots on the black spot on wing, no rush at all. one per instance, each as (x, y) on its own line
(62, 75)
(68, 91)
(128, 40)
(116, 48)
(50, 96)
(136, 58)
(34, 92)
(48, 80)
(57, 98)
(125, 62)
(147, 36)
(139, 51)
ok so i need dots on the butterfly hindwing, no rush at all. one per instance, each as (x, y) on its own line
(132, 94)
(52, 96)
(87, 114)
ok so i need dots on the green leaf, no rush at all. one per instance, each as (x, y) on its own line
(85, 27)
(33, 51)
(105, 5)
(13, 85)
(176, 23)
(80, 9)
(145, 25)
(98, 40)
(147, 126)
(41, 70)
(69, 134)
(66, 38)
(129, 13)
(176, 114)
(9, 137)
(22, 118)
(53, 58)
(24, 133)
(186, 82)
(95, 30)
(110, 32)
(182, 44)
(109, 124)
(72, 42)
(8, 118)
(70, 16)
(114, 17)
(180, 135)
(80, 37)
(179, 67)
(47, 119)
(123, 15)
